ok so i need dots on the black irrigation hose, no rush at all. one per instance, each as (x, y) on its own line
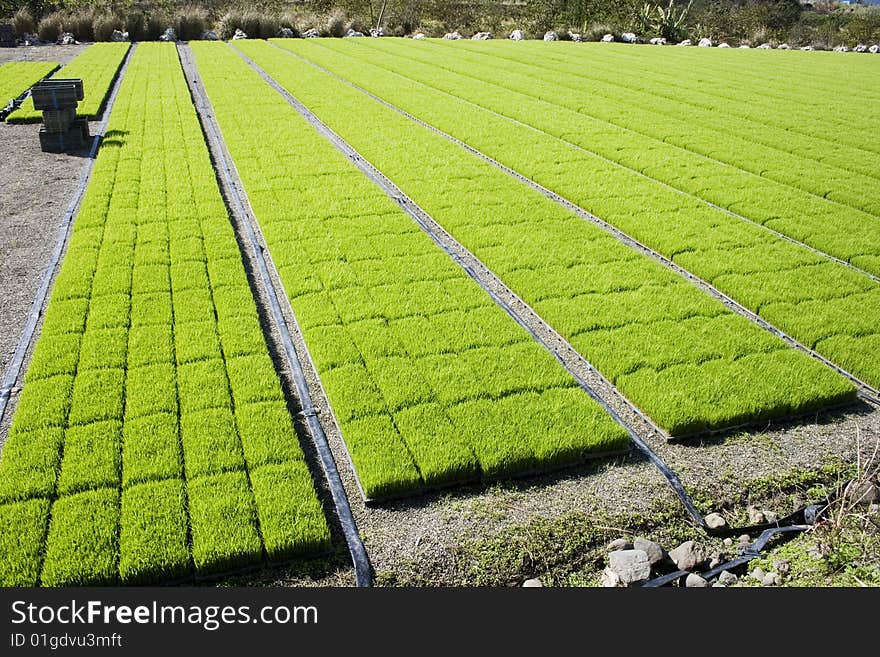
(356, 547)
(13, 370)
(798, 521)
(866, 391)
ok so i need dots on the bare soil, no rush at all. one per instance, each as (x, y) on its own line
(48, 53)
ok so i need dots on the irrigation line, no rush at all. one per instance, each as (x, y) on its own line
(226, 168)
(866, 391)
(578, 147)
(13, 370)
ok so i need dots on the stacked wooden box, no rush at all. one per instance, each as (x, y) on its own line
(57, 100)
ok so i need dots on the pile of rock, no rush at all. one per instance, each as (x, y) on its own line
(311, 33)
(482, 36)
(551, 36)
(286, 33)
(452, 36)
(517, 35)
(353, 33)
(67, 39)
(418, 36)
(239, 35)
(168, 35)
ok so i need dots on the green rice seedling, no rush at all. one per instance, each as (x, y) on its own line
(18, 77)
(82, 547)
(58, 355)
(43, 403)
(151, 309)
(103, 348)
(234, 301)
(92, 457)
(855, 354)
(375, 339)
(22, 536)
(153, 533)
(210, 442)
(241, 336)
(110, 311)
(111, 280)
(332, 346)
(97, 395)
(223, 522)
(192, 306)
(203, 384)
(352, 390)
(196, 341)
(313, 310)
(253, 379)
(97, 67)
(225, 272)
(384, 464)
(151, 449)
(400, 382)
(291, 519)
(150, 279)
(188, 276)
(267, 433)
(150, 389)
(150, 345)
(65, 316)
(436, 445)
(29, 463)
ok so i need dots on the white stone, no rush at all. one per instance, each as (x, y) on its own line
(517, 35)
(727, 578)
(686, 42)
(551, 36)
(724, 45)
(687, 555)
(418, 36)
(452, 36)
(705, 43)
(608, 38)
(631, 566)
(629, 37)
(239, 34)
(533, 583)
(694, 581)
(352, 33)
(653, 550)
(657, 41)
(715, 521)
(482, 36)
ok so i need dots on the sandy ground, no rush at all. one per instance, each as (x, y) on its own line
(420, 536)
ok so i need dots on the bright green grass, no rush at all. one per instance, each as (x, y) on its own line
(96, 66)
(18, 77)
(590, 145)
(580, 294)
(124, 433)
(364, 281)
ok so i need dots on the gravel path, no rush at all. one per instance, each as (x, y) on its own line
(60, 54)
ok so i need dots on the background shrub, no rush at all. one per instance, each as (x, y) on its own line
(23, 22)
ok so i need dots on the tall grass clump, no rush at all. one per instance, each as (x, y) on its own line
(23, 23)
(81, 24)
(190, 22)
(50, 27)
(104, 25)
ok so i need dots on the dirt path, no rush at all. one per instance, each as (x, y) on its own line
(60, 54)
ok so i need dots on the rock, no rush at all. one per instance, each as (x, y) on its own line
(657, 41)
(841, 49)
(239, 34)
(757, 574)
(863, 492)
(169, 35)
(482, 36)
(211, 35)
(807, 48)
(861, 48)
(686, 42)
(376, 33)
(551, 36)
(687, 555)
(452, 36)
(815, 552)
(715, 521)
(744, 538)
(783, 46)
(608, 38)
(728, 542)
(629, 37)
(610, 579)
(517, 35)
(782, 566)
(694, 581)
(724, 45)
(67, 39)
(874, 509)
(352, 33)
(745, 46)
(717, 585)
(630, 566)
(30, 39)
(311, 33)
(771, 579)
(533, 583)
(654, 551)
(119, 36)
(770, 516)
(716, 560)
(705, 43)
(756, 516)
(727, 578)
(874, 49)
(576, 37)
(285, 33)
(765, 46)
(418, 36)
(619, 544)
